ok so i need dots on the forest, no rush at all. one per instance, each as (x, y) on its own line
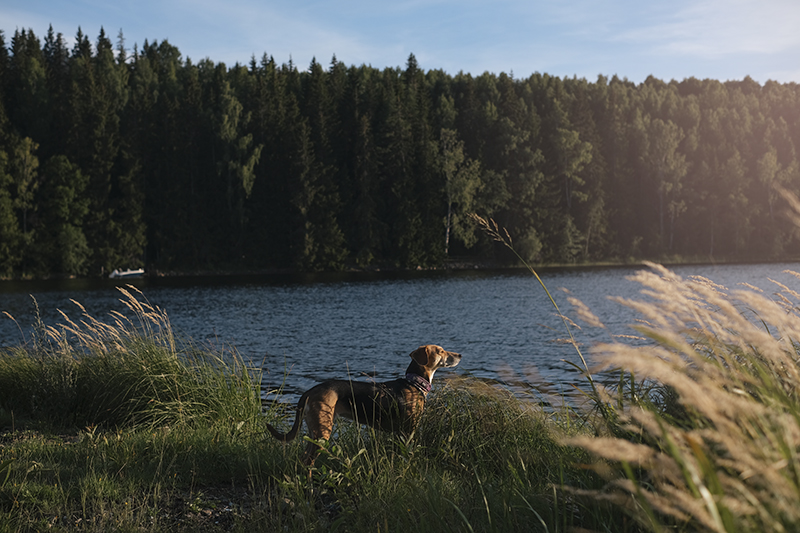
(118, 157)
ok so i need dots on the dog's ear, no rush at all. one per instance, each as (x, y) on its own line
(420, 355)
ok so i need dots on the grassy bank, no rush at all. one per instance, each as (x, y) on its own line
(120, 425)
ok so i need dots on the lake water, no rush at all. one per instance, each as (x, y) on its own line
(311, 328)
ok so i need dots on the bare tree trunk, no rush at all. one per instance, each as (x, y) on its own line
(447, 231)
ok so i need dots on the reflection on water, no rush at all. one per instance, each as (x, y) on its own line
(365, 325)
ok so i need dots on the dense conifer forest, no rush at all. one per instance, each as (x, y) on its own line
(112, 156)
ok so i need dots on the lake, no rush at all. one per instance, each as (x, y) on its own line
(308, 328)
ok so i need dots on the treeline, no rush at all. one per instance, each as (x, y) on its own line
(111, 157)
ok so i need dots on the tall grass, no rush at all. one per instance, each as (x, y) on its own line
(702, 430)
(713, 443)
(128, 369)
(113, 424)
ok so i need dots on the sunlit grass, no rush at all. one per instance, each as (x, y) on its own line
(713, 443)
(702, 430)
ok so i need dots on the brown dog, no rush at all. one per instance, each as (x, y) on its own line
(390, 406)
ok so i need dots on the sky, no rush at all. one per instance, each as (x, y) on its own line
(633, 39)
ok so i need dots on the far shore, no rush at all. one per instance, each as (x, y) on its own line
(455, 265)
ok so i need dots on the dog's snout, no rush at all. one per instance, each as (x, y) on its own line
(453, 358)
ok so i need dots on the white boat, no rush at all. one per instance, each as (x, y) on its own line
(126, 274)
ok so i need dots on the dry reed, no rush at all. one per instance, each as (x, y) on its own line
(728, 461)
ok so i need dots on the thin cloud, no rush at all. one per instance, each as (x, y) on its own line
(723, 39)
(712, 29)
(297, 32)
(18, 19)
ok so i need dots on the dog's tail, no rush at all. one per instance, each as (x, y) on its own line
(298, 418)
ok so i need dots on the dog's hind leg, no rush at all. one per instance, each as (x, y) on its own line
(319, 415)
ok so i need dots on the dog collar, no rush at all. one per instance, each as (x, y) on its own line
(419, 382)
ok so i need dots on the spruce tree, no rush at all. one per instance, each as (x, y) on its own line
(61, 246)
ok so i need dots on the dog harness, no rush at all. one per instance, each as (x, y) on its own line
(419, 383)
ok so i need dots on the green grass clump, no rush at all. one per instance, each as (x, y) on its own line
(104, 424)
(130, 369)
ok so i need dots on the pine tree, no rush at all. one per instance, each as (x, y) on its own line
(236, 157)
(56, 60)
(27, 87)
(590, 213)
(24, 169)
(10, 233)
(359, 174)
(98, 93)
(415, 188)
(61, 246)
(666, 167)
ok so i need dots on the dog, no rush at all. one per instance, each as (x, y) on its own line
(394, 406)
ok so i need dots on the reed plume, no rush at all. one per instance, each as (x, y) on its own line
(729, 460)
(702, 430)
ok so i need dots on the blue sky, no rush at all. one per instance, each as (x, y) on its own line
(676, 39)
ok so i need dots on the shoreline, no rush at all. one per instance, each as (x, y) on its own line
(456, 266)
